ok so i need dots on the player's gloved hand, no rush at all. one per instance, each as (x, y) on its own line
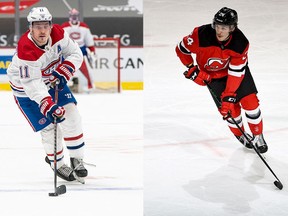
(63, 74)
(51, 110)
(197, 75)
(228, 104)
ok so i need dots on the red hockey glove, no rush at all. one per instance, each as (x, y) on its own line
(63, 73)
(197, 75)
(228, 105)
(51, 110)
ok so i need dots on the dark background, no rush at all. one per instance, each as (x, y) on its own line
(109, 18)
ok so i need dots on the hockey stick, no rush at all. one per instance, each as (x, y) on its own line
(62, 188)
(277, 183)
(67, 5)
(89, 59)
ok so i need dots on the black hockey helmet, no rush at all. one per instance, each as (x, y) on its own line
(225, 16)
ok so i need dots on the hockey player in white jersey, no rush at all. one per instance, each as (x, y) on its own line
(80, 32)
(46, 54)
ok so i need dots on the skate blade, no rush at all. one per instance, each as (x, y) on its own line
(89, 164)
(79, 179)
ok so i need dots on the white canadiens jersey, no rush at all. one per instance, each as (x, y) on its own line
(32, 66)
(80, 33)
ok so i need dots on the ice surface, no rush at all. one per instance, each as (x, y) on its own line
(113, 131)
(193, 165)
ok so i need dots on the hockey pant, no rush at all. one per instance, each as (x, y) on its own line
(248, 101)
(70, 130)
(30, 109)
(250, 105)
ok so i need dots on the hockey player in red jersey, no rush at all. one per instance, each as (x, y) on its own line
(36, 66)
(80, 32)
(221, 60)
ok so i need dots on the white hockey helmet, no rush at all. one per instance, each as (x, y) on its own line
(37, 14)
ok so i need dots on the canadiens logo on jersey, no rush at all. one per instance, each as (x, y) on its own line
(216, 64)
(47, 71)
(75, 35)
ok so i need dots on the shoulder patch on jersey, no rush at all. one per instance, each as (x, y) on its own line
(65, 24)
(57, 33)
(239, 42)
(27, 50)
(59, 48)
(207, 36)
(82, 24)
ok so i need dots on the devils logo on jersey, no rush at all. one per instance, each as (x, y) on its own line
(216, 64)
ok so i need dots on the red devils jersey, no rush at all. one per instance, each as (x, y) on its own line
(219, 59)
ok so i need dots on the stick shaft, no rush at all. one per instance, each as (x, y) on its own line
(67, 5)
(55, 141)
(238, 126)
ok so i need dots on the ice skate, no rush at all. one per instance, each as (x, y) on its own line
(64, 171)
(78, 167)
(260, 143)
(245, 142)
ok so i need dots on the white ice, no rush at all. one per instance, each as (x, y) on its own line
(193, 165)
(113, 130)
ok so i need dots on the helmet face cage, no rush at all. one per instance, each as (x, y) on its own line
(74, 15)
(39, 14)
(225, 16)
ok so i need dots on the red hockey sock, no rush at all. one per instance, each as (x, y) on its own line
(85, 72)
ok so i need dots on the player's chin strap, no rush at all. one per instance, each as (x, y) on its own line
(277, 183)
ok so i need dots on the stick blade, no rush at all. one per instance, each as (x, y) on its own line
(278, 184)
(58, 191)
(61, 189)
(53, 194)
(79, 179)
